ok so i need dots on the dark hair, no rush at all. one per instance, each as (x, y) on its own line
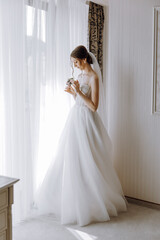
(81, 53)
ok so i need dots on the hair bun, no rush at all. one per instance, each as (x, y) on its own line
(81, 53)
(89, 59)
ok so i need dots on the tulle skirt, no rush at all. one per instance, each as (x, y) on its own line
(81, 185)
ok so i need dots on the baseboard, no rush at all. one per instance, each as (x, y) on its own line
(143, 203)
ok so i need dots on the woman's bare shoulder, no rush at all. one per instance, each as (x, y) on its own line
(93, 78)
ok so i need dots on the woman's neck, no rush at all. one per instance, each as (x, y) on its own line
(87, 69)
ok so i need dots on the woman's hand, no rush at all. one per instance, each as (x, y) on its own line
(76, 86)
(69, 89)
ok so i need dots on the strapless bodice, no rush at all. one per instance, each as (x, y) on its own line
(85, 88)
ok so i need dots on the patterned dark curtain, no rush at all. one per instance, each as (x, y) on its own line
(95, 31)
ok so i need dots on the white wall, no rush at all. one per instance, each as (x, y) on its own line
(134, 131)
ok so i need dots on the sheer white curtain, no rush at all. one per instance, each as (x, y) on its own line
(16, 157)
(36, 38)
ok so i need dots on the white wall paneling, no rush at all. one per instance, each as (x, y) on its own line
(134, 130)
(156, 61)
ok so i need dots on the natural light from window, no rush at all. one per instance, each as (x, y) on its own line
(40, 22)
(82, 235)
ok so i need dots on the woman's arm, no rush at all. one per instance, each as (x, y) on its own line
(93, 102)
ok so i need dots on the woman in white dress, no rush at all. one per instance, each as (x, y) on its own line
(81, 185)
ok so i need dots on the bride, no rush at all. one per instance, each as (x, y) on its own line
(81, 185)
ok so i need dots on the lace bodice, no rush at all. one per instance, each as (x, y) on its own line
(85, 88)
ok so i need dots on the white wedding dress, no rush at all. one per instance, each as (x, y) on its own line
(81, 186)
